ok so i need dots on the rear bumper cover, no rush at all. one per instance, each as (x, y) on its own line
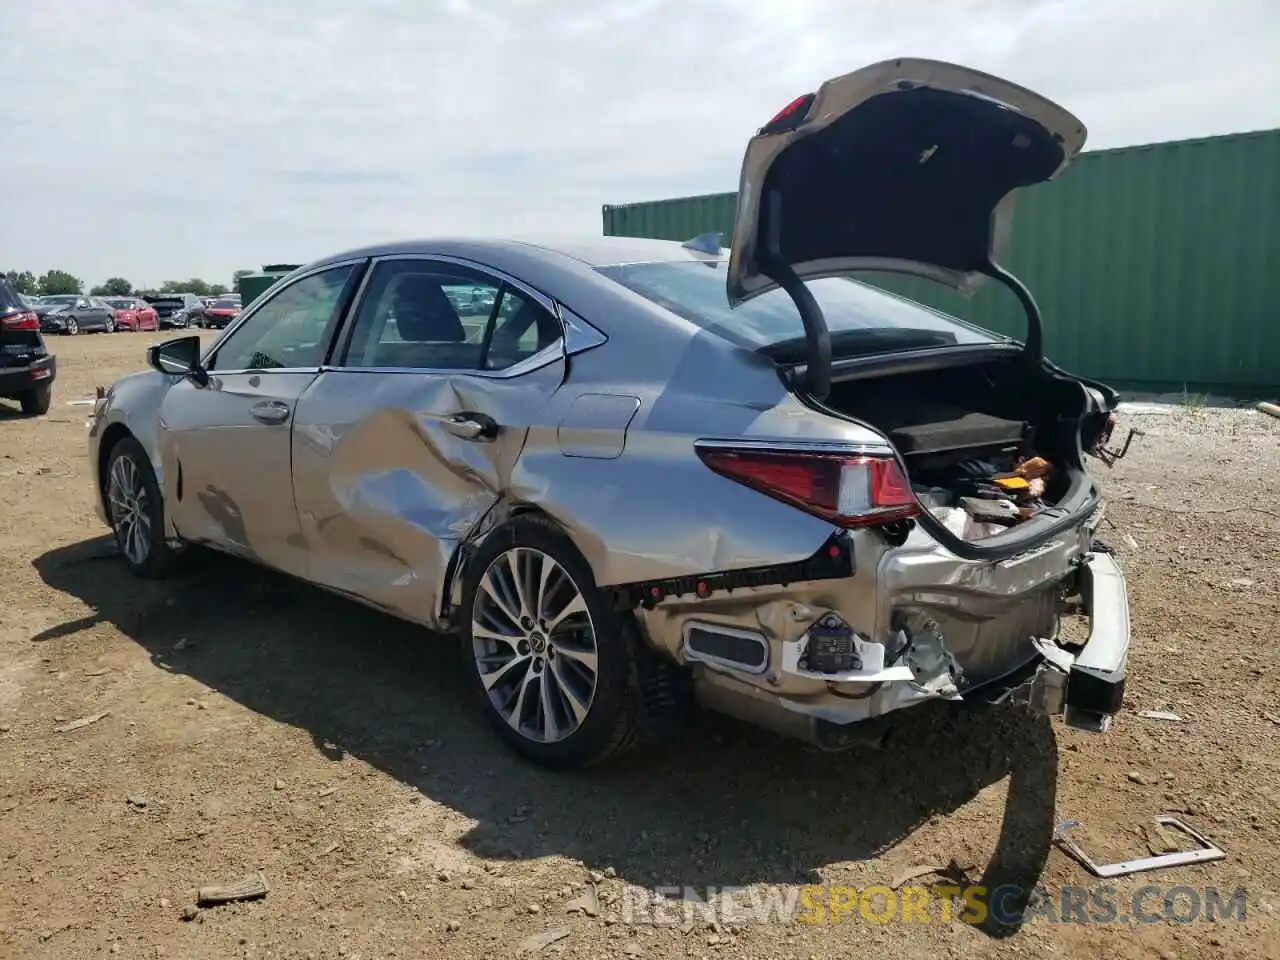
(1086, 687)
(1095, 681)
(15, 380)
(1084, 684)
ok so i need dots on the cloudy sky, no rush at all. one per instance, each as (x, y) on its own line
(159, 139)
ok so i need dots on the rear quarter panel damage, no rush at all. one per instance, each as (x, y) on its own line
(655, 510)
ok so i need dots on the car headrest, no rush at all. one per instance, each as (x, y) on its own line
(424, 312)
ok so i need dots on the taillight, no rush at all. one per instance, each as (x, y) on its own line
(850, 490)
(790, 116)
(21, 320)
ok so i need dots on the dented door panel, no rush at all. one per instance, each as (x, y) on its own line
(386, 484)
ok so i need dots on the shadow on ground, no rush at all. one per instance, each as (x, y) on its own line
(724, 806)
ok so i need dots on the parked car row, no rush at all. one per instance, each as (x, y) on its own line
(28, 369)
(73, 313)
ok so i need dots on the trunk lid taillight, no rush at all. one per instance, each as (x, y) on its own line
(850, 490)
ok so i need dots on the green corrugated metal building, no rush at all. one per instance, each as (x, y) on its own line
(253, 285)
(1156, 267)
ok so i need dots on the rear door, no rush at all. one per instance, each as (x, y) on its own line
(407, 441)
(100, 312)
(226, 444)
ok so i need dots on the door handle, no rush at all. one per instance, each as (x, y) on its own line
(471, 426)
(270, 411)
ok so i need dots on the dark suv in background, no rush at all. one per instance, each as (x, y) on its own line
(27, 369)
(177, 309)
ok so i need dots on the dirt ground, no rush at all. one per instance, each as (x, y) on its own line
(250, 723)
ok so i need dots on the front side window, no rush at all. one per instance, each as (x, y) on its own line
(419, 314)
(291, 329)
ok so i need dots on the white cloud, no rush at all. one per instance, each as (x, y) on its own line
(160, 139)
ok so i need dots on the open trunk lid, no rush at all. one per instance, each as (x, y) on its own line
(907, 165)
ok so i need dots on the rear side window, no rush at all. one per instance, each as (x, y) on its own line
(861, 318)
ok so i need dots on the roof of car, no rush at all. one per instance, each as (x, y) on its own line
(594, 251)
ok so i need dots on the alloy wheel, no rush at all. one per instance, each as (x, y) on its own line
(73, 326)
(111, 326)
(129, 502)
(534, 645)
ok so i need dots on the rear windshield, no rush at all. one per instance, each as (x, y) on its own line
(859, 316)
(169, 301)
(120, 304)
(225, 305)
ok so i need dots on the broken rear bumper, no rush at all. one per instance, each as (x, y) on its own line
(1087, 686)
(1083, 684)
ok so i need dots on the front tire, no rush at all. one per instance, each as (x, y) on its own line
(35, 402)
(73, 327)
(135, 508)
(553, 664)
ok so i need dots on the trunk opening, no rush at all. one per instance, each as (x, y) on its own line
(991, 448)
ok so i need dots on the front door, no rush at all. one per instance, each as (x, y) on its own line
(406, 442)
(225, 446)
(88, 317)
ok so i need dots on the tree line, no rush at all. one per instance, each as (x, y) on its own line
(60, 281)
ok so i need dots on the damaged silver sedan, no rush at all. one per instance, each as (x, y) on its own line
(631, 475)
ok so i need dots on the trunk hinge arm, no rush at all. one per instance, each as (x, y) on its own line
(817, 336)
(1034, 348)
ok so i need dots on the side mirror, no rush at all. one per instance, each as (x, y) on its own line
(180, 356)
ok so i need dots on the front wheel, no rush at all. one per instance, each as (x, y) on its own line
(135, 508)
(73, 327)
(35, 402)
(553, 664)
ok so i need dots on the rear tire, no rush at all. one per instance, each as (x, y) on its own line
(540, 640)
(135, 508)
(35, 402)
(110, 326)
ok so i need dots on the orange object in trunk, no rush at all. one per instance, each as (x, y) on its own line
(1034, 468)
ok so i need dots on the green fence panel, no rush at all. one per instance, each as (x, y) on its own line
(1155, 266)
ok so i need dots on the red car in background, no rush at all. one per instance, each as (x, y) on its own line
(133, 314)
(220, 312)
